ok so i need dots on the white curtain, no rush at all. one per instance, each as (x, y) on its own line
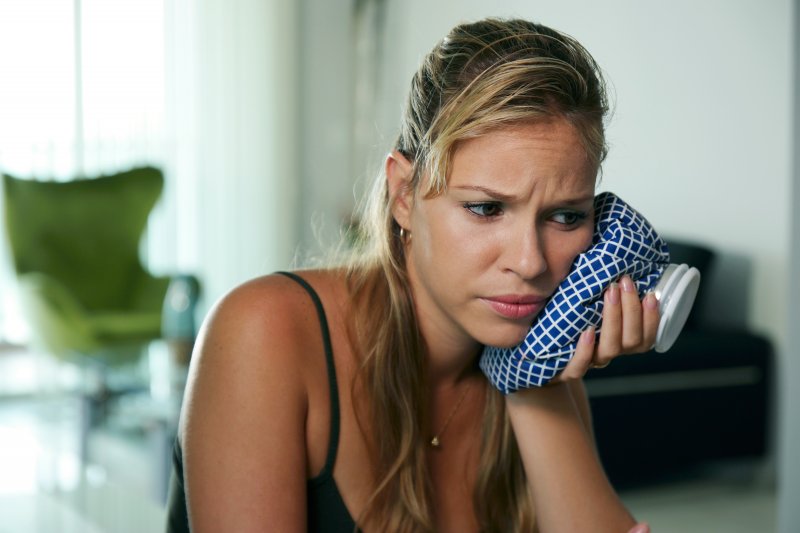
(231, 132)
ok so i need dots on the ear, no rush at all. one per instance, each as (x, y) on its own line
(399, 174)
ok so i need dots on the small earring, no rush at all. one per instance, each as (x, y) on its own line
(404, 235)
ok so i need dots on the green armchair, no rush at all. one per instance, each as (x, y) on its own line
(75, 248)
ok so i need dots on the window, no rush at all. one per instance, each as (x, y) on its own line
(81, 93)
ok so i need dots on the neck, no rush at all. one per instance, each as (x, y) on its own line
(448, 361)
(449, 357)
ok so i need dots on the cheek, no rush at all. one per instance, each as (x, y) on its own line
(565, 247)
(447, 241)
(432, 246)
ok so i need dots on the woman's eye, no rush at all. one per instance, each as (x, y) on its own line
(568, 218)
(484, 209)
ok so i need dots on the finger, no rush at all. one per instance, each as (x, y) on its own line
(641, 527)
(650, 318)
(581, 359)
(610, 343)
(584, 352)
(632, 333)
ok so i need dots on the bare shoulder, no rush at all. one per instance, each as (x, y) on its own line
(265, 327)
(272, 311)
(245, 408)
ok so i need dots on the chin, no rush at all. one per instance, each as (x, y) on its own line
(504, 337)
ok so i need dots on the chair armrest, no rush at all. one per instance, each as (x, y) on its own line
(174, 297)
(151, 291)
(59, 323)
(180, 303)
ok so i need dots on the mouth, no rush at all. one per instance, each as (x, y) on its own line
(516, 307)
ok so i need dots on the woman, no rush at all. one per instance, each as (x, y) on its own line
(351, 395)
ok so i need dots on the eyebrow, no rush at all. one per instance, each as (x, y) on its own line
(486, 190)
(507, 197)
(577, 201)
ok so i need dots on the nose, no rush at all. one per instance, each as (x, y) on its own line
(523, 254)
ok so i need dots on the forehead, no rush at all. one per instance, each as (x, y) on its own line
(545, 153)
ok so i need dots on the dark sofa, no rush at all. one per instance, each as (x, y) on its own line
(660, 415)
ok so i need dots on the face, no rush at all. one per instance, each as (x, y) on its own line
(485, 255)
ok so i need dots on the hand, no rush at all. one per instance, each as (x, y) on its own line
(641, 527)
(629, 326)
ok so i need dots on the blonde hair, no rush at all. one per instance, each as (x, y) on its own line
(481, 76)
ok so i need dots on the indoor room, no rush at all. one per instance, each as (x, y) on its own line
(157, 154)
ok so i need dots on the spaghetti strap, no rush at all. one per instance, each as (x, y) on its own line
(326, 511)
(333, 443)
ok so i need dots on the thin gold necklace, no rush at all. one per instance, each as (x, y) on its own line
(435, 441)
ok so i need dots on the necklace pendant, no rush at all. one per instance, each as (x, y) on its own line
(435, 441)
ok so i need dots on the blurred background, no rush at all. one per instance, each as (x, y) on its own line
(229, 139)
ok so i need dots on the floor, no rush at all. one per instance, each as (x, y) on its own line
(731, 498)
(45, 488)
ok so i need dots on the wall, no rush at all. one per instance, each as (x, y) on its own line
(344, 124)
(325, 118)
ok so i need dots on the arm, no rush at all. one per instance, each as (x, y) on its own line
(243, 425)
(578, 391)
(569, 488)
(552, 425)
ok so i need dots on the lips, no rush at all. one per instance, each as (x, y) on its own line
(516, 306)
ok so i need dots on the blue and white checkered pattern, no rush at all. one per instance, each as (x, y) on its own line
(623, 243)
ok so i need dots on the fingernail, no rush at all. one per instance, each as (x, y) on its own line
(650, 301)
(613, 293)
(587, 337)
(627, 284)
(640, 528)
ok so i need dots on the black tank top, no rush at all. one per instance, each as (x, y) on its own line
(327, 512)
